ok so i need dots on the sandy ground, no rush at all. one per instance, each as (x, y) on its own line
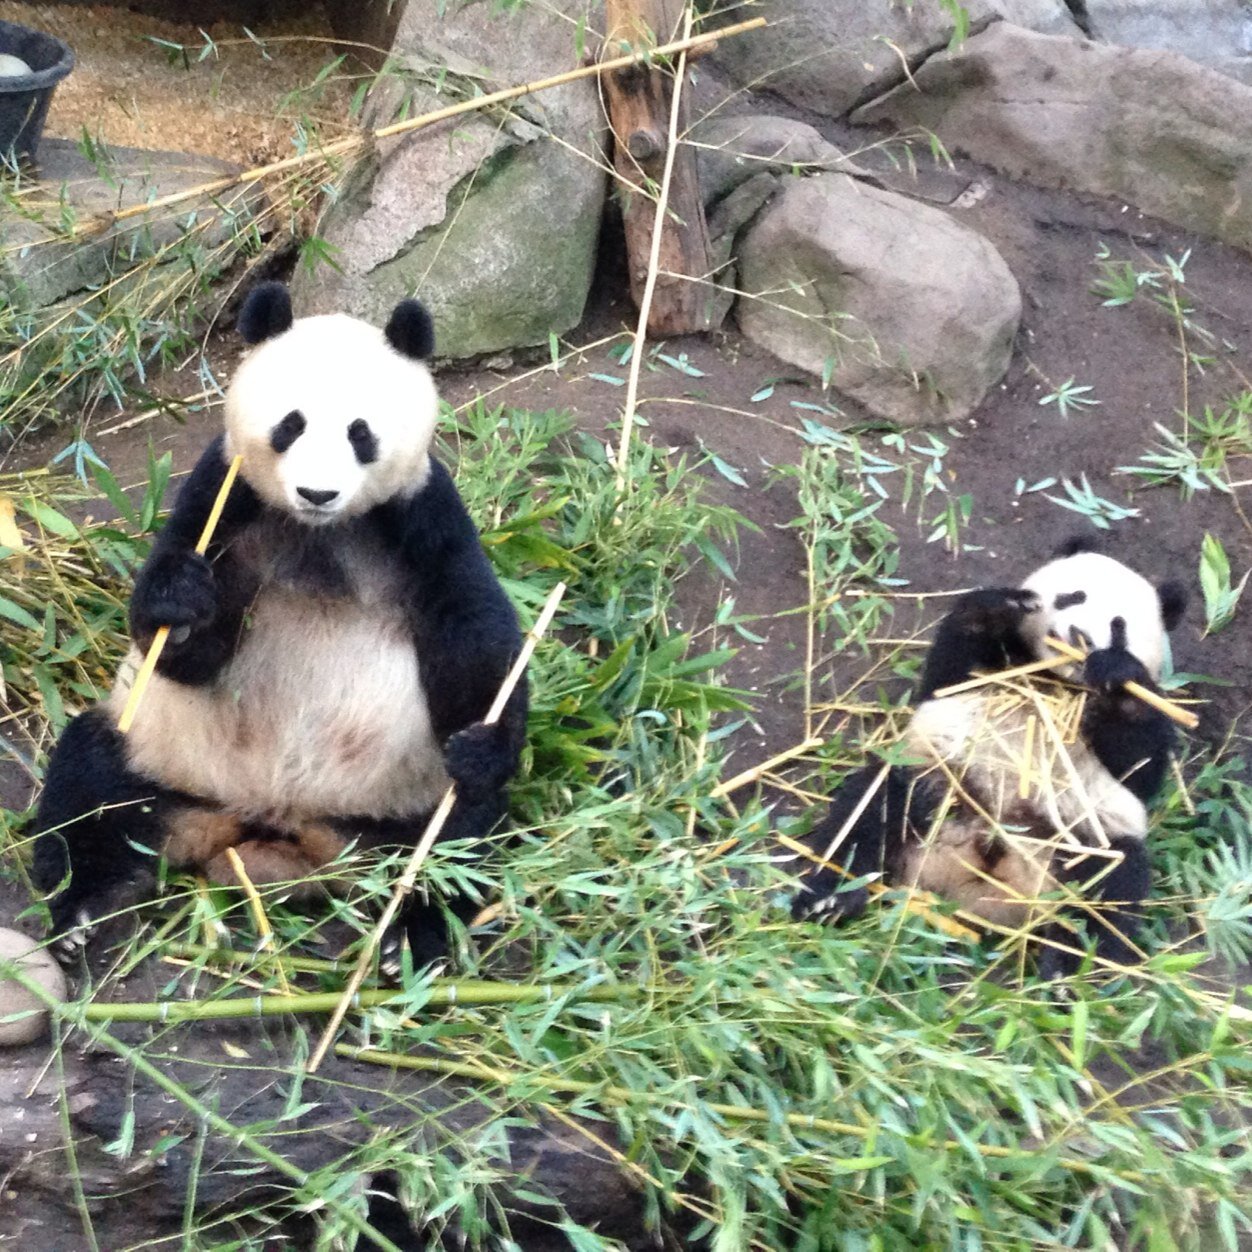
(227, 95)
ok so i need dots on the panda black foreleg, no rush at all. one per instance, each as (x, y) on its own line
(95, 817)
(872, 841)
(1132, 740)
(985, 631)
(1112, 910)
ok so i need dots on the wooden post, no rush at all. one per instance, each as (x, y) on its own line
(639, 100)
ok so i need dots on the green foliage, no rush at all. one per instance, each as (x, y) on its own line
(1221, 598)
(874, 1086)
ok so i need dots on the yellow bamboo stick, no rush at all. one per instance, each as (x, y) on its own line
(431, 833)
(1175, 712)
(148, 668)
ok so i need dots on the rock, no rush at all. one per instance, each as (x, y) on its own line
(1217, 33)
(1151, 128)
(730, 150)
(740, 159)
(829, 55)
(38, 965)
(40, 267)
(494, 226)
(909, 312)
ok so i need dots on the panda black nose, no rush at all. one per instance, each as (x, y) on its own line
(313, 496)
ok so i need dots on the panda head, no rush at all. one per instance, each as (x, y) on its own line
(331, 415)
(1084, 593)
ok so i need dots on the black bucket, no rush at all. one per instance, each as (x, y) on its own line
(24, 100)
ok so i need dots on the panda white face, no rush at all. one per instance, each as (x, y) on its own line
(1084, 593)
(331, 415)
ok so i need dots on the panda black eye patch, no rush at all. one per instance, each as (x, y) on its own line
(1069, 600)
(287, 431)
(363, 442)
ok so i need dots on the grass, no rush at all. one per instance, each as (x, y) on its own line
(772, 1086)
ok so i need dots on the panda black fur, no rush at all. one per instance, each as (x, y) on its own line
(330, 660)
(977, 841)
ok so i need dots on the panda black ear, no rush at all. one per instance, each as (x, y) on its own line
(1076, 544)
(1173, 596)
(410, 330)
(265, 313)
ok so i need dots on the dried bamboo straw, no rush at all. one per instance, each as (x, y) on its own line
(149, 665)
(259, 917)
(1175, 712)
(431, 833)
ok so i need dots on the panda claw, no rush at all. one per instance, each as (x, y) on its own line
(72, 942)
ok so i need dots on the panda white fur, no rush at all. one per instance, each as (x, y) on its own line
(954, 820)
(330, 660)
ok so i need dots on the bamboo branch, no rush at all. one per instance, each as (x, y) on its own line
(649, 287)
(1175, 712)
(353, 143)
(433, 829)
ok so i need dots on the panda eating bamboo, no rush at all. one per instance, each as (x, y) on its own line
(331, 658)
(998, 810)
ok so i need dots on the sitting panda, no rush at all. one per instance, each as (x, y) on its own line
(956, 822)
(330, 660)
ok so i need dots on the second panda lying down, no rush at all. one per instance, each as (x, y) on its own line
(957, 823)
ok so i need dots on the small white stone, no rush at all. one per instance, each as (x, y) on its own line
(13, 67)
(37, 964)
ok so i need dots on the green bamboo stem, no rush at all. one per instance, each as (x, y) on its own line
(469, 993)
(732, 1112)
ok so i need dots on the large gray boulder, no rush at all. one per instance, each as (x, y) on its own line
(1217, 33)
(904, 309)
(829, 55)
(1152, 128)
(491, 221)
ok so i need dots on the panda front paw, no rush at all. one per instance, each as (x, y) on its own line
(175, 590)
(1108, 670)
(821, 900)
(997, 612)
(478, 759)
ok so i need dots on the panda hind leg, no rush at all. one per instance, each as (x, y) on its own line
(1112, 911)
(863, 833)
(95, 819)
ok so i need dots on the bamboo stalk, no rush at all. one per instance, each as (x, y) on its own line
(433, 828)
(649, 286)
(1175, 712)
(148, 668)
(443, 993)
(352, 143)
(233, 956)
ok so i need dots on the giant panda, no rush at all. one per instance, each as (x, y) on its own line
(952, 818)
(330, 660)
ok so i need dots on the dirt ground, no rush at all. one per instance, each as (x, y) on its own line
(234, 97)
(1129, 357)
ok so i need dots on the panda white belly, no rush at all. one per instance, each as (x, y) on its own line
(993, 840)
(320, 712)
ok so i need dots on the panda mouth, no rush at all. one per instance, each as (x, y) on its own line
(318, 514)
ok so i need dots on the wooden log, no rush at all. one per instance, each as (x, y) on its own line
(639, 100)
